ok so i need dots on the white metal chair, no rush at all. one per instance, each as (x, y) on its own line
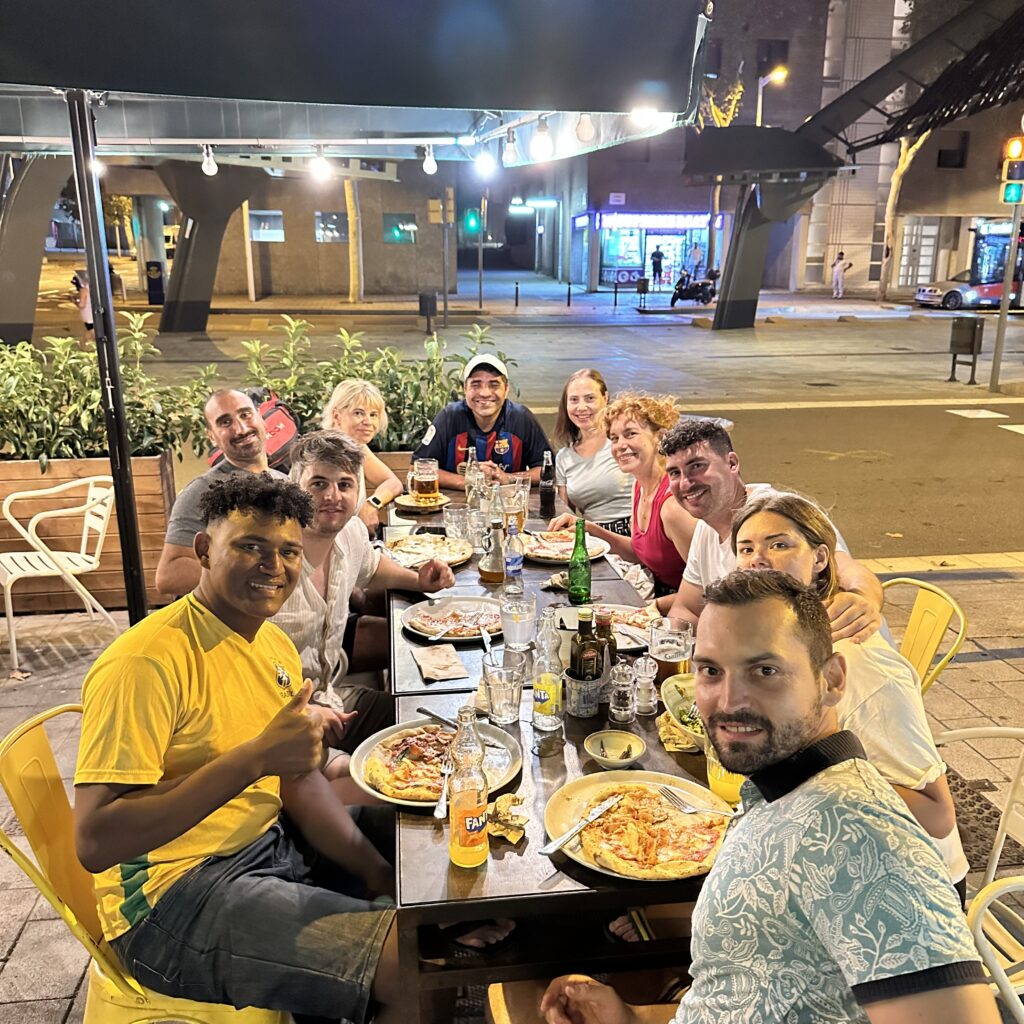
(998, 929)
(929, 618)
(42, 560)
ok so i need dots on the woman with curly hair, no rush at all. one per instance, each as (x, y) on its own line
(356, 408)
(586, 475)
(660, 529)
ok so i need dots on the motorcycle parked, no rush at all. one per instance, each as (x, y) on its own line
(701, 290)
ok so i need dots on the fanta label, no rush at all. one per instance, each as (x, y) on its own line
(471, 826)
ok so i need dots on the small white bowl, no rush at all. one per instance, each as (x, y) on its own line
(615, 743)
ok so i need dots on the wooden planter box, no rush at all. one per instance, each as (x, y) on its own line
(398, 462)
(153, 477)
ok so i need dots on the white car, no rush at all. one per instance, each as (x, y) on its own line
(959, 293)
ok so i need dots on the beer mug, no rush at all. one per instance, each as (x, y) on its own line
(421, 481)
(515, 500)
(671, 645)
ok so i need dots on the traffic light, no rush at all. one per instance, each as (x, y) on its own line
(1011, 191)
(434, 214)
(449, 205)
(471, 221)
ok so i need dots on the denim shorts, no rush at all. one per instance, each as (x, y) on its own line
(259, 928)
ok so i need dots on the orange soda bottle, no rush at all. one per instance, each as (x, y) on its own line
(467, 800)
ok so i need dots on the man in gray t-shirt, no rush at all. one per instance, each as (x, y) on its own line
(234, 425)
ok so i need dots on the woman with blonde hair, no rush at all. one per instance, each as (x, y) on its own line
(356, 408)
(586, 475)
(660, 529)
(882, 704)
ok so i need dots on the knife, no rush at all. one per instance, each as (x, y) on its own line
(441, 720)
(560, 841)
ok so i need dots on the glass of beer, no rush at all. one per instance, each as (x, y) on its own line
(671, 645)
(422, 482)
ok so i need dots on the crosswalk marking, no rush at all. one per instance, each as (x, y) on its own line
(1017, 428)
(978, 414)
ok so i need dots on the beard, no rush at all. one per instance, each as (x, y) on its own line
(778, 743)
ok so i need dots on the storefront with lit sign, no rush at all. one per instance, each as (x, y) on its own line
(627, 241)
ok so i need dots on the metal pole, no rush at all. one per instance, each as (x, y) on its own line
(480, 257)
(1004, 305)
(83, 146)
(517, 294)
(760, 102)
(616, 300)
(568, 295)
(444, 271)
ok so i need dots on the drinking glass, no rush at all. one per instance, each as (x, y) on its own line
(515, 502)
(722, 782)
(504, 673)
(422, 481)
(456, 521)
(671, 646)
(476, 529)
(518, 620)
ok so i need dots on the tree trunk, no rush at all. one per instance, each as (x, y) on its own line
(130, 235)
(355, 241)
(908, 150)
(117, 235)
(716, 206)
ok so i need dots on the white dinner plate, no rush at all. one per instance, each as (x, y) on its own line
(628, 639)
(567, 806)
(501, 764)
(407, 503)
(440, 605)
(596, 548)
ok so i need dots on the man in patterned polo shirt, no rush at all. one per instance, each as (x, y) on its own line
(827, 902)
(505, 435)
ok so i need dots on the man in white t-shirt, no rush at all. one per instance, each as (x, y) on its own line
(704, 477)
(337, 557)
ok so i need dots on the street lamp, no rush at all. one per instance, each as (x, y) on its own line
(774, 77)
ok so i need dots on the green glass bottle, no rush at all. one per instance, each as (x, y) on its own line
(579, 567)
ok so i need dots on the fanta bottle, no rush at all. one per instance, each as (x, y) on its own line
(467, 796)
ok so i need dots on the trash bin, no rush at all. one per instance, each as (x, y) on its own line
(965, 336)
(428, 304)
(643, 285)
(155, 282)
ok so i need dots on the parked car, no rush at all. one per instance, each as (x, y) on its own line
(959, 292)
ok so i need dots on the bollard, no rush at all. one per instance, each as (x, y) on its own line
(568, 295)
(616, 301)
(517, 294)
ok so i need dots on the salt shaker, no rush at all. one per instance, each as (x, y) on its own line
(622, 701)
(645, 669)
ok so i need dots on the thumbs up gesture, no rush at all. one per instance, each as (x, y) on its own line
(292, 743)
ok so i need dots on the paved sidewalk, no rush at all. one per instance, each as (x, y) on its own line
(42, 968)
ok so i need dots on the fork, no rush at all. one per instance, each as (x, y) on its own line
(441, 807)
(680, 804)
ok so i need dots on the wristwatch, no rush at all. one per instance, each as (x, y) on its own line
(376, 502)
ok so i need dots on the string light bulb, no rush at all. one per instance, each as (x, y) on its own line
(209, 164)
(320, 167)
(485, 163)
(542, 145)
(585, 129)
(509, 153)
(429, 162)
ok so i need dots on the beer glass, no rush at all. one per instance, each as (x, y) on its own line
(671, 645)
(422, 483)
(515, 501)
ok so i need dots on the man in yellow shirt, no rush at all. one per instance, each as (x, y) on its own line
(195, 736)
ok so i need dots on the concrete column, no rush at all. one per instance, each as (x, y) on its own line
(149, 235)
(593, 255)
(207, 204)
(24, 218)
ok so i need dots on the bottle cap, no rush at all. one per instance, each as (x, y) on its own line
(586, 614)
(603, 616)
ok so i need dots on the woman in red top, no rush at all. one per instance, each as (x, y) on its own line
(660, 528)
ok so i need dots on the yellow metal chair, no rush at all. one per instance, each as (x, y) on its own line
(29, 775)
(932, 613)
(998, 928)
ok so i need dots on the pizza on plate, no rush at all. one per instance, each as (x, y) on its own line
(463, 622)
(420, 547)
(644, 836)
(638, 618)
(557, 545)
(407, 765)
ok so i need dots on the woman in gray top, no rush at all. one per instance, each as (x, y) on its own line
(586, 475)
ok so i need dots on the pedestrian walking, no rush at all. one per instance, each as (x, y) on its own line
(696, 255)
(839, 269)
(656, 260)
(83, 300)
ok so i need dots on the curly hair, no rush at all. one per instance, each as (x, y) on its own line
(810, 522)
(566, 432)
(745, 587)
(258, 493)
(691, 430)
(657, 412)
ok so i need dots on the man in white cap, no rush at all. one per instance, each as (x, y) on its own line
(505, 435)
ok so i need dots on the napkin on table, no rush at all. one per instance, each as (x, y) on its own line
(502, 821)
(440, 661)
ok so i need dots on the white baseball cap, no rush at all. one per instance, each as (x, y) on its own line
(486, 362)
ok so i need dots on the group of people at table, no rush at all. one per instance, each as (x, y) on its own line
(235, 862)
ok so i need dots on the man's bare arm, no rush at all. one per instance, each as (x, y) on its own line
(117, 823)
(958, 1005)
(178, 570)
(689, 602)
(856, 611)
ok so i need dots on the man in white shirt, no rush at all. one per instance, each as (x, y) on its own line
(337, 557)
(704, 477)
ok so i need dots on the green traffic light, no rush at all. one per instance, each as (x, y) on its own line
(1013, 192)
(471, 221)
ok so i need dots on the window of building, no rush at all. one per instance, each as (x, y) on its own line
(713, 58)
(400, 228)
(266, 225)
(770, 54)
(953, 149)
(331, 227)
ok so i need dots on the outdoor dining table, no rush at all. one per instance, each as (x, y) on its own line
(560, 906)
